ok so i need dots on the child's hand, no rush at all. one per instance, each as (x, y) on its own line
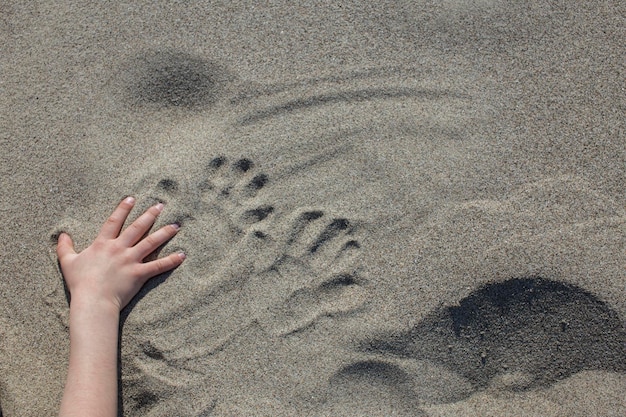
(112, 269)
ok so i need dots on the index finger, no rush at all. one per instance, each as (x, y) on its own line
(113, 225)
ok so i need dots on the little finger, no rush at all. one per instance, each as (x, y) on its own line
(160, 266)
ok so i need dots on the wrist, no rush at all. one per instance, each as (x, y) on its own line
(94, 327)
(94, 307)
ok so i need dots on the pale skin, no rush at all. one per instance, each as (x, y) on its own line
(102, 280)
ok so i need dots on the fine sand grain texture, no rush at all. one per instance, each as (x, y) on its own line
(409, 208)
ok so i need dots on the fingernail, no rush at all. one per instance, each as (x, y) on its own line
(159, 206)
(182, 256)
(176, 226)
(56, 236)
(130, 200)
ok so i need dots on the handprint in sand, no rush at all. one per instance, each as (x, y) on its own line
(278, 270)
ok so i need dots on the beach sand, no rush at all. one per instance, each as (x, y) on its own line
(399, 208)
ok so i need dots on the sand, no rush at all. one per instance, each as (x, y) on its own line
(399, 208)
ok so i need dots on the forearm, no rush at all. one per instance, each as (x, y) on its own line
(91, 388)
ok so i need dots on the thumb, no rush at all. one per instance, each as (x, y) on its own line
(65, 246)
